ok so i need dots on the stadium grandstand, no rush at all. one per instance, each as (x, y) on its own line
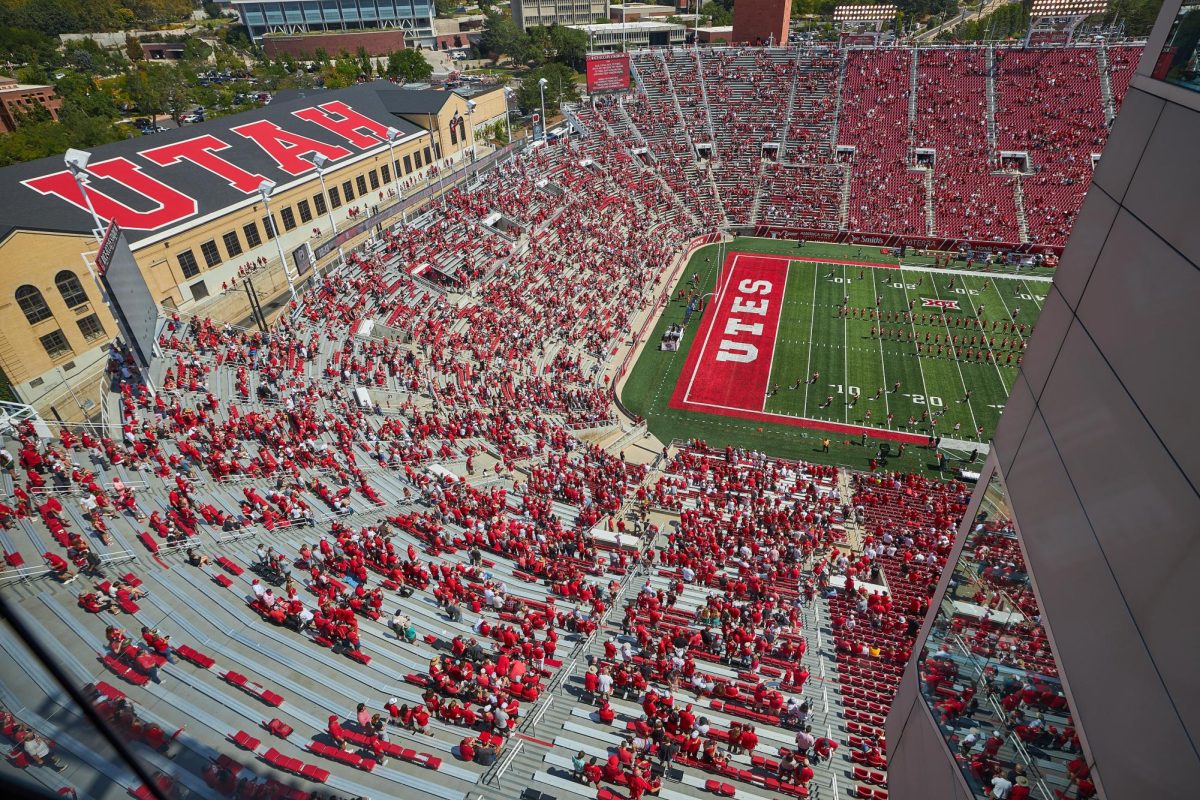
(338, 496)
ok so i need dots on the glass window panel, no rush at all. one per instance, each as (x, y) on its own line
(988, 673)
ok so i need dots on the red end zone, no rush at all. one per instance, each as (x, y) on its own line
(728, 368)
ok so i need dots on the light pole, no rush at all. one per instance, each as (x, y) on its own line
(265, 188)
(77, 161)
(508, 93)
(392, 135)
(471, 126)
(542, 89)
(319, 161)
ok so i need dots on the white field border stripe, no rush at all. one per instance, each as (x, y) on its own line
(1006, 276)
(916, 345)
(787, 268)
(819, 422)
(957, 363)
(704, 347)
(887, 410)
(812, 322)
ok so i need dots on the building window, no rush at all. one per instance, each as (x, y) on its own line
(212, 256)
(361, 183)
(91, 328)
(233, 245)
(428, 157)
(408, 167)
(269, 227)
(288, 217)
(32, 303)
(252, 237)
(335, 199)
(56, 344)
(305, 211)
(387, 173)
(319, 203)
(417, 159)
(69, 287)
(199, 290)
(348, 191)
(187, 263)
(454, 131)
(374, 175)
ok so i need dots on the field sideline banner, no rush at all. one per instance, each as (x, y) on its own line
(607, 72)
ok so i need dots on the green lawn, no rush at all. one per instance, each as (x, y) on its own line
(814, 337)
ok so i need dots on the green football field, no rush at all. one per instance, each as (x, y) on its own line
(814, 336)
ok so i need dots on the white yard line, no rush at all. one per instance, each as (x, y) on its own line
(883, 361)
(986, 340)
(1036, 301)
(846, 347)
(1008, 312)
(916, 347)
(954, 356)
(812, 322)
(775, 345)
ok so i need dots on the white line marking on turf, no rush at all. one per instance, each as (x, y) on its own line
(984, 331)
(787, 267)
(1034, 295)
(976, 273)
(1008, 312)
(704, 347)
(812, 323)
(882, 361)
(974, 423)
(846, 342)
(916, 347)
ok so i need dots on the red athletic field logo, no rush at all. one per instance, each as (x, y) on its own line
(730, 363)
(728, 368)
(930, 302)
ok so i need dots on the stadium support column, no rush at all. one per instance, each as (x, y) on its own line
(542, 89)
(392, 135)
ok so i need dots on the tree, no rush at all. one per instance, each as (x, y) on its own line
(160, 89)
(133, 48)
(342, 73)
(570, 45)
(718, 13)
(560, 88)
(364, 62)
(502, 36)
(409, 66)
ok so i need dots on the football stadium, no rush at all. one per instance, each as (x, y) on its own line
(789, 422)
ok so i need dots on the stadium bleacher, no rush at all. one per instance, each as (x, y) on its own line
(363, 560)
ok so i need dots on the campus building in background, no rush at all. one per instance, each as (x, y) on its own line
(1072, 583)
(528, 13)
(20, 98)
(761, 22)
(414, 18)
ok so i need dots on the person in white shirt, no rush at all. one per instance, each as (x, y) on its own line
(1001, 787)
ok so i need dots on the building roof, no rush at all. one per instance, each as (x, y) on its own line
(27, 208)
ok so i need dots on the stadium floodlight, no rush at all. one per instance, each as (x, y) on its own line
(471, 104)
(1068, 8)
(77, 161)
(392, 135)
(319, 161)
(542, 88)
(864, 13)
(265, 189)
(508, 95)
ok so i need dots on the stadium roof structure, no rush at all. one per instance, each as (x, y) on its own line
(25, 207)
(864, 13)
